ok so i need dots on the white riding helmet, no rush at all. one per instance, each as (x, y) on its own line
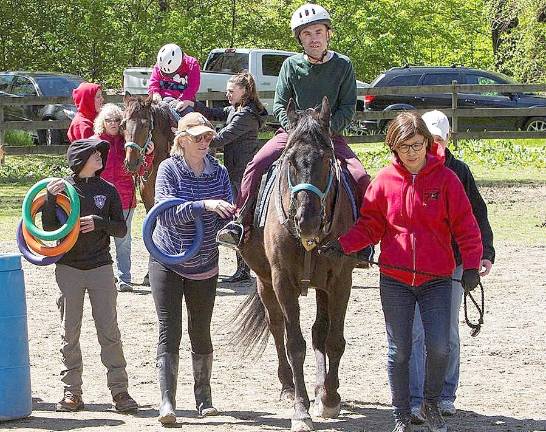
(169, 58)
(309, 14)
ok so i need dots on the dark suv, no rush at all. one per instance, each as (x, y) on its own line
(40, 84)
(421, 75)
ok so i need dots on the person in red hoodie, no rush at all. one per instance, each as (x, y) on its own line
(107, 128)
(88, 100)
(414, 207)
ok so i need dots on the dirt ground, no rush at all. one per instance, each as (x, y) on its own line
(503, 370)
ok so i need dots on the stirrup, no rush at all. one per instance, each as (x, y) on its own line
(231, 235)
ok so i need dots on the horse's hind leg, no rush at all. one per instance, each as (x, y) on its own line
(335, 346)
(319, 331)
(276, 327)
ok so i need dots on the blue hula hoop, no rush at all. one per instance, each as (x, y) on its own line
(29, 254)
(148, 228)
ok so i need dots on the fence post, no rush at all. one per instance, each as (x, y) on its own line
(454, 119)
(2, 152)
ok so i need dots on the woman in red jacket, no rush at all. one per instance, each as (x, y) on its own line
(106, 127)
(414, 207)
(88, 100)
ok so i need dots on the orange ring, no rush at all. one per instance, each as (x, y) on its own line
(66, 244)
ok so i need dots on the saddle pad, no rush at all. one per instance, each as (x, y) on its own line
(267, 185)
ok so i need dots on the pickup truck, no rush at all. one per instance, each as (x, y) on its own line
(221, 63)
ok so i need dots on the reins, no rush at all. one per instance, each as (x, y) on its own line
(475, 327)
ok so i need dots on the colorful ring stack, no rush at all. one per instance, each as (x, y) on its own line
(30, 238)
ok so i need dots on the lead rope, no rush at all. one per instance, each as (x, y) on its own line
(475, 327)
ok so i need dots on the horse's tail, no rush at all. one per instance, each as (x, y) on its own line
(250, 331)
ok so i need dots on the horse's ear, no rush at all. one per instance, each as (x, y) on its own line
(148, 101)
(126, 97)
(291, 114)
(325, 113)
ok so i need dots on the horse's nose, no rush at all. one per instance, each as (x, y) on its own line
(131, 165)
(307, 220)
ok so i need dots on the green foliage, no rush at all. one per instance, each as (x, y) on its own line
(500, 153)
(28, 169)
(18, 138)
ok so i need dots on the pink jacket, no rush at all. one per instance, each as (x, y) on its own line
(81, 126)
(183, 84)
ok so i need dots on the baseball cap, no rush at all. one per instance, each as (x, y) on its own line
(437, 123)
(194, 124)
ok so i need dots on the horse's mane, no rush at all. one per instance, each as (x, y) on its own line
(309, 131)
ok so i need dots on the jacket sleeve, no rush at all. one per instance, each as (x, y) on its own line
(194, 81)
(153, 84)
(214, 114)
(371, 225)
(463, 225)
(49, 214)
(241, 123)
(283, 93)
(479, 209)
(346, 104)
(115, 224)
(164, 189)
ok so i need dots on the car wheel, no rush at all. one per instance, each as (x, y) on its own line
(536, 124)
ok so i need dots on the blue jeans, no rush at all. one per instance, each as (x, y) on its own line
(398, 301)
(177, 115)
(123, 250)
(418, 354)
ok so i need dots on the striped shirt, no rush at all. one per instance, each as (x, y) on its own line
(175, 229)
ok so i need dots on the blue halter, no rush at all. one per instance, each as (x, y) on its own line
(134, 145)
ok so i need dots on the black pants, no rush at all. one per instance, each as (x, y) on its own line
(168, 290)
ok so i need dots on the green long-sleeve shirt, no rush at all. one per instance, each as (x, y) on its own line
(308, 83)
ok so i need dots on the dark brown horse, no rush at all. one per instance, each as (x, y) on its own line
(145, 122)
(308, 207)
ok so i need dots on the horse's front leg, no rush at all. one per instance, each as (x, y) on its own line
(287, 294)
(275, 322)
(335, 344)
(319, 331)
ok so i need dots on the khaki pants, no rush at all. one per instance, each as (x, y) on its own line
(99, 284)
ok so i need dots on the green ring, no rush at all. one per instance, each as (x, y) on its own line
(70, 222)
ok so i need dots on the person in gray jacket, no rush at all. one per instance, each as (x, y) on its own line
(244, 116)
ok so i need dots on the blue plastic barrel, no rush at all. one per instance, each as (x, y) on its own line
(15, 394)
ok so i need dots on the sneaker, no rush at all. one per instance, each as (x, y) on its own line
(417, 415)
(402, 425)
(124, 287)
(447, 408)
(231, 235)
(122, 402)
(434, 419)
(70, 402)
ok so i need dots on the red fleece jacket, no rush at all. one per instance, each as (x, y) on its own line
(82, 123)
(414, 217)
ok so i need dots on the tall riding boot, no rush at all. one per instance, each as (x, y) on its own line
(167, 366)
(242, 274)
(202, 370)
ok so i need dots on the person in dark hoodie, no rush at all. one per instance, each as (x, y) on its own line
(88, 100)
(88, 267)
(238, 138)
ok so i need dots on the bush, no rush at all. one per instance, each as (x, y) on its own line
(29, 169)
(18, 138)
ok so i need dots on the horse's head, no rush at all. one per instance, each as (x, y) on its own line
(309, 167)
(137, 125)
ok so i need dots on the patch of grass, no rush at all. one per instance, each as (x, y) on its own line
(18, 138)
(31, 168)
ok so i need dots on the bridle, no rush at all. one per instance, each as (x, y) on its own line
(142, 149)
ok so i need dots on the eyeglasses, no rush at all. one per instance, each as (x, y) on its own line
(112, 120)
(206, 136)
(404, 148)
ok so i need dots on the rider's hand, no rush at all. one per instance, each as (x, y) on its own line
(486, 265)
(332, 249)
(156, 98)
(470, 279)
(55, 186)
(87, 224)
(182, 105)
(221, 207)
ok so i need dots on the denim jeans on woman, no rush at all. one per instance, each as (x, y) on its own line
(123, 250)
(418, 354)
(398, 301)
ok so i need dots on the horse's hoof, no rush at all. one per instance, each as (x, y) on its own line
(305, 425)
(287, 395)
(320, 410)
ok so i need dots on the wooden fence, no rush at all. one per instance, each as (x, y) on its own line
(455, 113)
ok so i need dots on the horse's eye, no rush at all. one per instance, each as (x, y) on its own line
(122, 124)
